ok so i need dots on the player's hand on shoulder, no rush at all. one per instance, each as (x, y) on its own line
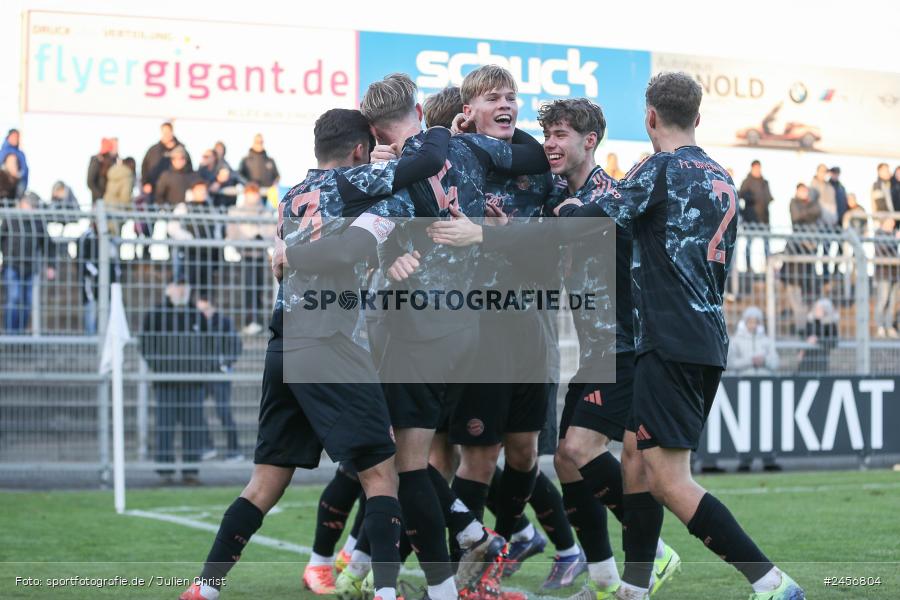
(383, 152)
(494, 216)
(404, 266)
(568, 202)
(279, 259)
(462, 124)
(458, 231)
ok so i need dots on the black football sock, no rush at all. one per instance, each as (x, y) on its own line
(405, 546)
(456, 514)
(241, 520)
(472, 493)
(640, 532)
(362, 542)
(360, 516)
(588, 517)
(493, 497)
(515, 491)
(603, 475)
(715, 526)
(383, 530)
(335, 505)
(425, 525)
(548, 506)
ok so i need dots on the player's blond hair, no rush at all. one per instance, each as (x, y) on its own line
(440, 108)
(484, 79)
(390, 99)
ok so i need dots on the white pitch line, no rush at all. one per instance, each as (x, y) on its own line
(805, 489)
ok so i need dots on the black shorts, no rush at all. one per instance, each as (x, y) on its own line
(601, 407)
(297, 420)
(420, 391)
(671, 401)
(547, 440)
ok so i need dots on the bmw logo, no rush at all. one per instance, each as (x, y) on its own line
(798, 92)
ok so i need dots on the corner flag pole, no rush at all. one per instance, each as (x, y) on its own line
(117, 335)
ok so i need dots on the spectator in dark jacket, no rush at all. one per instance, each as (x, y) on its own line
(11, 187)
(197, 263)
(840, 192)
(225, 349)
(172, 341)
(25, 245)
(11, 146)
(156, 161)
(258, 167)
(798, 276)
(222, 181)
(174, 182)
(822, 335)
(886, 278)
(855, 218)
(62, 197)
(756, 196)
(89, 254)
(895, 190)
(881, 190)
(99, 167)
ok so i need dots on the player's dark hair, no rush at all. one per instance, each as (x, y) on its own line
(167, 124)
(755, 163)
(440, 108)
(676, 97)
(581, 114)
(800, 185)
(337, 133)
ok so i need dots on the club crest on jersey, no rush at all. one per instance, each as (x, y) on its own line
(475, 427)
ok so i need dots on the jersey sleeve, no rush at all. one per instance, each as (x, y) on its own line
(334, 252)
(426, 162)
(628, 199)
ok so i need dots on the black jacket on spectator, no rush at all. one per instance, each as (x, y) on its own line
(96, 176)
(258, 168)
(9, 188)
(815, 360)
(895, 194)
(89, 254)
(24, 241)
(756, 195)
(172, 186)
(840, 198)
(224, 340)
(173, 339)
(157, 160)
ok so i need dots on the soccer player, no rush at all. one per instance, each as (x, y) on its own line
(335, 504)
(297, 420)
(415, 383)
(681, 205)
(441, 109)
(511, 411)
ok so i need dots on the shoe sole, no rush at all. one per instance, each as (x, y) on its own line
(471, 571)
(580, 568)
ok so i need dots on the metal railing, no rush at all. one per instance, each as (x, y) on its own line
(54, 406)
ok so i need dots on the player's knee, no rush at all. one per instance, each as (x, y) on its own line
(522, 456)
(479, 462)
(379, 479)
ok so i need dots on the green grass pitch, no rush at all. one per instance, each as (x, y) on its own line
(814, 525)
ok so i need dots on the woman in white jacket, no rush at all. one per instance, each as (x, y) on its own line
(752, 352)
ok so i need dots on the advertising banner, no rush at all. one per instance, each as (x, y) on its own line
(748, 103)
(803, 417)
(615, 79)
(154, 67)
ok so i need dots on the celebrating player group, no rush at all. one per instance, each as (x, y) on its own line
(414, 339)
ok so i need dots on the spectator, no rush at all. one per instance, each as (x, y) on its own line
(821, 335)
(840, 193)
(195, 262)
(757, 196)
(752, 352)
(89, 254)
(11, 186)
(25, 245)
(881, 190)
(855, 217)
(120, 184)
(222, 181)
(157, 159)
(11, 146)
(225, 349)
(173, 183)
(799, 276)
(99, 167)
(172, 342)
(824, 194)
(254, 261)
(62, 197)
(220, 149)
(886, 278)
(895, 190)
(257, 167)
(612, 166)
